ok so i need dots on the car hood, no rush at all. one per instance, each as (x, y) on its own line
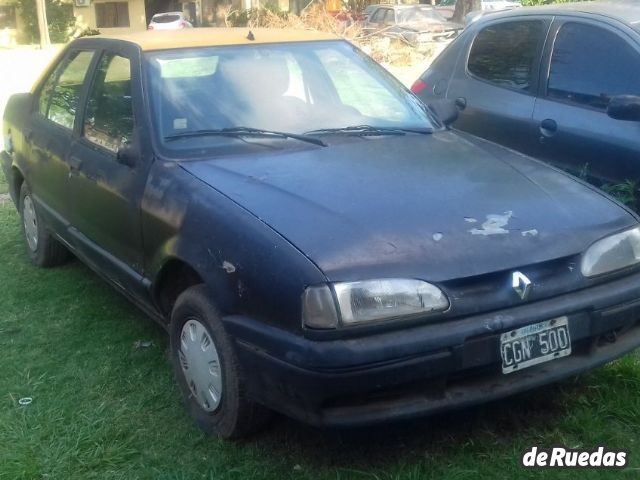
(431, 26)
(435, 207)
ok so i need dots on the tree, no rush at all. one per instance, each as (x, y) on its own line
(41, 12)
(463, 7)
(59, 16)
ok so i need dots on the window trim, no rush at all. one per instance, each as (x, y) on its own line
(545, 70)
(537, 65)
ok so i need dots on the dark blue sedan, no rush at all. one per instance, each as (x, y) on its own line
(313, 238)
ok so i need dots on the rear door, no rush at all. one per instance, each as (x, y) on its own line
(587, 64)
(496, 83)
(50, 134)
(108, 171)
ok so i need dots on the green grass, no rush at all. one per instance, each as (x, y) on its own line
(102, 409)
(4, 187)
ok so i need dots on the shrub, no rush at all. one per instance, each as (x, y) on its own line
(626, 193)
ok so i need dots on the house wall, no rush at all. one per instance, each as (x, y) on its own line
(86, 17)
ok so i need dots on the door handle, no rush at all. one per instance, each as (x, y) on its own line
(75, 163)
(548, 128)
(461, 103)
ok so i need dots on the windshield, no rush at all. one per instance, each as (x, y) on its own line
(166, 18)
(417, 14)
(295, 88)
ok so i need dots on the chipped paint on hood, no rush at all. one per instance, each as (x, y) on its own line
(494, 225)
(369, 207)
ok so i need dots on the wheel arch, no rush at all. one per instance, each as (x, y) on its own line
(173, 278)
(16, 181)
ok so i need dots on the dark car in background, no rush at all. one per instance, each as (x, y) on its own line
(560, 83)
(414, 24)
(312, 237)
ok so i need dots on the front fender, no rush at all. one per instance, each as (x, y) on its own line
(249, 267)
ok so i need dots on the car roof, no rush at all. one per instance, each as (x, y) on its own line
(211, 37)
(166, 13)
(625, 11)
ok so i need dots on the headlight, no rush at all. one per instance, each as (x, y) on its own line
(370, 300)
(612, 253)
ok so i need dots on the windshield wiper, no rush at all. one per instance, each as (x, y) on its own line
(242, 131)
(370, 130)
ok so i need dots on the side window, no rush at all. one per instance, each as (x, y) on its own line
(60, 94)
(45, 93)
(389, 18)
(378, 15)
(506, 53)
(589, 65)
(109, 115)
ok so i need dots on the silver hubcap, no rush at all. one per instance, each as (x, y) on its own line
(200, 365)
(30, 223)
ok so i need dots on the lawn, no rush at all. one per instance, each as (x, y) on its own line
(104, 409)
(4, 188)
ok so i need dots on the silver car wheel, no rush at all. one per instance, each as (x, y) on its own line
(200, 365)
(30, 221)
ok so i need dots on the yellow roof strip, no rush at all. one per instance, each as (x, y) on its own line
(210, 37)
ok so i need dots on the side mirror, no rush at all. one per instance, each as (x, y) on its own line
(445, 110)
(624, 107)
(127, 155)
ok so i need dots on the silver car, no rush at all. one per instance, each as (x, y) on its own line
(413, 24)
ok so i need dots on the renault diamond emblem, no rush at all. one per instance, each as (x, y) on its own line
(521, 284)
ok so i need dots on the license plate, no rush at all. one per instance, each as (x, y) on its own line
(534, 344)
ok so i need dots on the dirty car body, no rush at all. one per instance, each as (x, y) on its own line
(367, 263)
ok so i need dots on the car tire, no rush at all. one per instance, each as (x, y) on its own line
(195, 321)
(43, 249)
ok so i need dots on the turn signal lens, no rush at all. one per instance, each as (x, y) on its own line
(418, 86)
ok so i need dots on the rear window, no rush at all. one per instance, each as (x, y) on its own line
(166, 18)
(506, 53)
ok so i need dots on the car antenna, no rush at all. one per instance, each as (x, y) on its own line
(251, 37)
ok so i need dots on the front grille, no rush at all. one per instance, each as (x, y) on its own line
(492, 291)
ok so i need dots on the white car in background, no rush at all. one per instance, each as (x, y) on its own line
(169, 21)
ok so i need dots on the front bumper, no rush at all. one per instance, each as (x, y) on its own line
(429, 368)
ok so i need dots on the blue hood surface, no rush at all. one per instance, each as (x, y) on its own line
(435, 207)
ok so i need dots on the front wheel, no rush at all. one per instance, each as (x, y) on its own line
(43, 249)
(207, 369)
